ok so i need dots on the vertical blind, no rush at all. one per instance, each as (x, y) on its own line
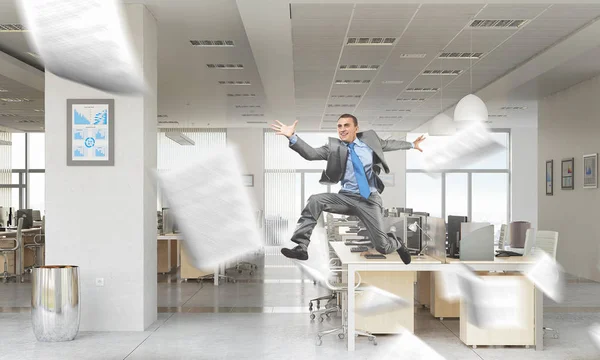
(5, 168)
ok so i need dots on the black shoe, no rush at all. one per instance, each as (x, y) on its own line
(404, 253)
(297, 252)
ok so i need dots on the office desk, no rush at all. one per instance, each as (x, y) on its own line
(167, 252)
(354, 262)
(532, 305)
(187, 270)
(12, 234)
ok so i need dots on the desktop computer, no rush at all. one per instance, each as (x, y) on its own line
(454, 235)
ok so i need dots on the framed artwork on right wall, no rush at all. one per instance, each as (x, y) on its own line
(590, 171)
(567, 174)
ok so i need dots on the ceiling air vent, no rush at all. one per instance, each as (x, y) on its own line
(366, 41)
(253, 115)
(346, 96)
(8, 115)
(513, 108)
(459, 55)
(390, 117)
(352, 82)
(256, 122)
(28, 121)
(15, 100)
(383, 125)
(442, 72)
(162, 116)
(392, 82)
(330, 114)
(411, 99)
(247, 106)
(397, 110)
(359, 67)
(212, 43)
(422, 90)
(340, 105)
(497, 115)
(234, 82)
(12, 28)
(38, 110)
(497, 24)
(3, 90)
(241, 95)
(168, 122)
(225, 66)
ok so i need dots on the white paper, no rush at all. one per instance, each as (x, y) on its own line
(548, 276)
(375, 301)
(212, 208)
(84, 41)
(594, 332)
(493, 302)
(406, 346)
(466, 147)
(317, 267)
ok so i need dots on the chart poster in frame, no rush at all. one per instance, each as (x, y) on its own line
(590, 171)
(549, 177)
(567, 174)
(90, 132)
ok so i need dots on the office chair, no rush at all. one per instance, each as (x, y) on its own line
(547, 241)
(4, 251)
(39, 241)
(341, 288)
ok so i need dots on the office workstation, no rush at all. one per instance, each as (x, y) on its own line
(482, 125)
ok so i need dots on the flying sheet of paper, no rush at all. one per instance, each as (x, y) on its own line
(317, 267)
(450, 285)
(466, 147)
(594, 332)
(406, 346)
(212, 208)
(548, 276)
(84, 41)
(375, 301)
(493, 302)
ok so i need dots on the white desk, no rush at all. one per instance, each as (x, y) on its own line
(354, 262)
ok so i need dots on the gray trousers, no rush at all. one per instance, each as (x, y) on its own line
(369, 211)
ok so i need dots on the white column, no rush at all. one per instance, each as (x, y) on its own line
(103, 218)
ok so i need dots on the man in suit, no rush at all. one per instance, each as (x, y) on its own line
(355, 159)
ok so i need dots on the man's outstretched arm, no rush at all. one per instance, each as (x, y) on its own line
(392, 145)
(298, 145)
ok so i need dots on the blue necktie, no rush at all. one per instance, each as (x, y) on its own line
(359, 173)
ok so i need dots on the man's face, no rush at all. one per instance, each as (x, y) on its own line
(346, 129)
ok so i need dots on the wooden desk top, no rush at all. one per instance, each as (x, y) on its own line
(348, 257)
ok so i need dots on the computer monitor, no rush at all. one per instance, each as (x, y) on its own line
(414, 238)
(454, 222)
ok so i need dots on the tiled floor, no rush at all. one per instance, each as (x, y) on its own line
(265, 317)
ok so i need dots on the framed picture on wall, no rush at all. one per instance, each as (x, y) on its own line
(549, 177)
(90, 132)
(567, 174)
(590, 171)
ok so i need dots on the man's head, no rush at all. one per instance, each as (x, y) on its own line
(347, 127)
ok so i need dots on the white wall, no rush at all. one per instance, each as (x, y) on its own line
(250, 143)
(524, 177)
(103, 218)
(569, 127)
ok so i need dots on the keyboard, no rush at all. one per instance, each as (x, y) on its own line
(359, 249)
(506, 253)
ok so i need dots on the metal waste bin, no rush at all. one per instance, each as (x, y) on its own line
(55, 302)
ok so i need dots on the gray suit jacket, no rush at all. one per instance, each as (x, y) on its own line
(336, 154)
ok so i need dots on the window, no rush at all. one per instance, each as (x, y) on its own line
(479, 190)
(424, 193)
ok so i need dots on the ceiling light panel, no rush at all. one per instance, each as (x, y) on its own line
(458, 55)
(370, 41)
(212, 43)
(442, 72)
(359, 67)
(234, 82)
(497, 24)
(12, 28)
(412, 56)
(352, 82)
(225, 66)
(392, 82)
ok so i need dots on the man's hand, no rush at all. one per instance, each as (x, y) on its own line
(282, 129)
(417, 142)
